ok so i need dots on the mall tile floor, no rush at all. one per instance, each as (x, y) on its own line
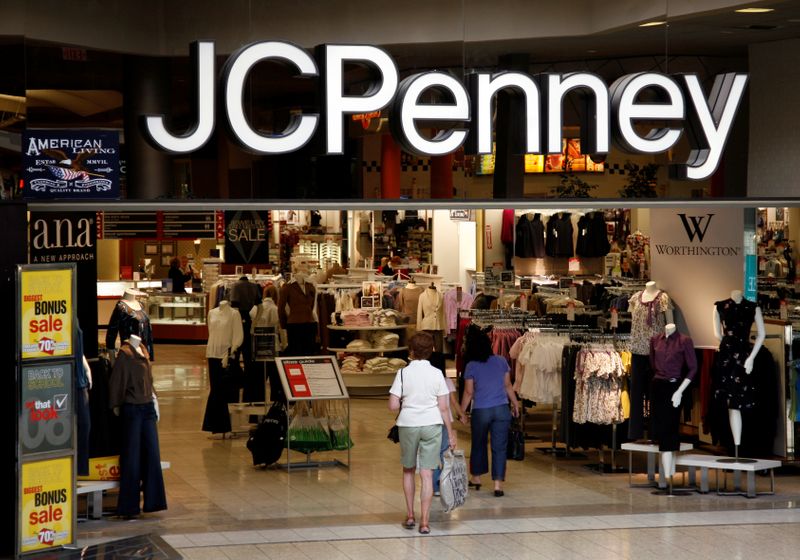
(220, 506)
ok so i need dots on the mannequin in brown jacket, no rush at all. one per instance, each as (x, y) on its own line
(297, 315)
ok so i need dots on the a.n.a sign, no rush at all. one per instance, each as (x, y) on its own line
(60, 237)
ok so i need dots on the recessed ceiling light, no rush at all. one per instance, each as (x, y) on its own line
(591, 51)
(652, 23)
(754, 10)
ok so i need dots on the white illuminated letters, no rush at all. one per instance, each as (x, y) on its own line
(408, 108)
(437, 101)
(714, 119)
(301, 127)
(557, 87)
(487, 87)
(624, 95)
(202, 54)
(337, 104)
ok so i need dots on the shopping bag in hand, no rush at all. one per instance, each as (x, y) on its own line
(516, 442)
(453, 480)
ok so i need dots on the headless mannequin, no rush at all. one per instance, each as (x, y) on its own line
(649, 294)
(735, 415)
(129, 297)
(224, 305)
(668, 457)
(300, 278)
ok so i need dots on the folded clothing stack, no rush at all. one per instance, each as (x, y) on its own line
(356, 318)
(383, 365)
(384, 339)
(359, 344)
(397, 363)
(385, 318)
(351, 364)
(378, 365)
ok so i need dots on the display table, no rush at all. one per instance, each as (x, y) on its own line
(369, 384)
(706, 462)
(652, 452)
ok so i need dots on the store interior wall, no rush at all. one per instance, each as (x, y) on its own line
(774, 156)
(108, 259)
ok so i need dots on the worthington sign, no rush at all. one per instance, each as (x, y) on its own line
(617, 111)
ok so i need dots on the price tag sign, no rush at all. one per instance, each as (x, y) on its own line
(571, 312)
(523, 301)
(784, 311)
(614, 318)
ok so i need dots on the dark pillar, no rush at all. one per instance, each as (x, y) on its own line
(390, 167)
(147, 83)
(442, 176)
(509, 168)
(14, 229)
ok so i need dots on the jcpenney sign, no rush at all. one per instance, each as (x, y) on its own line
(682, 107)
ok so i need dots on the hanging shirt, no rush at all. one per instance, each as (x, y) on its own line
(669, 355)
(452, 306)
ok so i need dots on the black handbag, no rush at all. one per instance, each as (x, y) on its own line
(394, 432)
(516, 442)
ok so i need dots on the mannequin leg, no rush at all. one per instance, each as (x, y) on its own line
(735, 418)
(668, 464)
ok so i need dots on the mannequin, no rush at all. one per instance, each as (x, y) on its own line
(670, 354)
(129, 318)
(430, 314)
(651, 311)
(132, 397)
(245, 295)
(225, 336)
(733, 320)
(297, 314)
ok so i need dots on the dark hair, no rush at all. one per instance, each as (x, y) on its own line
(480, 347)
(421, 346)
(174, 262)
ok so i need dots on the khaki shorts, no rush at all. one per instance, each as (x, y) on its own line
(428, 439)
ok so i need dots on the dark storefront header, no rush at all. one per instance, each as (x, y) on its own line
(463, 115)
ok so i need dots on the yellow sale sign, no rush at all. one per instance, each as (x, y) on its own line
(46, 512)
(47, 307)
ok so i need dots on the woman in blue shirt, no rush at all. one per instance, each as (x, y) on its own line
(488, 386)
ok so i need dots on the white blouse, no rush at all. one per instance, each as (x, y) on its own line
(430, 311)
(225, 331)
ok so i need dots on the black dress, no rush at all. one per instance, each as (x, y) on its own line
(559, 235)
(731, 383)
(529, 243)
(592, 236)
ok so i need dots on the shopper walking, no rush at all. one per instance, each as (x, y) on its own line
(420, 393)
(487, 384)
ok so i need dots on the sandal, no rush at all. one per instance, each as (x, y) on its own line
(409, 523)
(424, 530)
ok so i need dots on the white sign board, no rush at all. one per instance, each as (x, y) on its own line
(697, 257)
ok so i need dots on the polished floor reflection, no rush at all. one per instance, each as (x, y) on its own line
(220, 506)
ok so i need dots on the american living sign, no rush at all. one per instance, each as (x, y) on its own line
(682, 107)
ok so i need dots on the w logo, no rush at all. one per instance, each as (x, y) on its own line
(694, 226)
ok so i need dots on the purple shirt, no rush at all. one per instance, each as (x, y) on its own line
(489, 381)
(669, 355)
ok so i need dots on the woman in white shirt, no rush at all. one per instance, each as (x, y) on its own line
(420, 393)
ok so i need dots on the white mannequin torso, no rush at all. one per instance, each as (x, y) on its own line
(650, 292)
(129, 298)
(136, 342)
